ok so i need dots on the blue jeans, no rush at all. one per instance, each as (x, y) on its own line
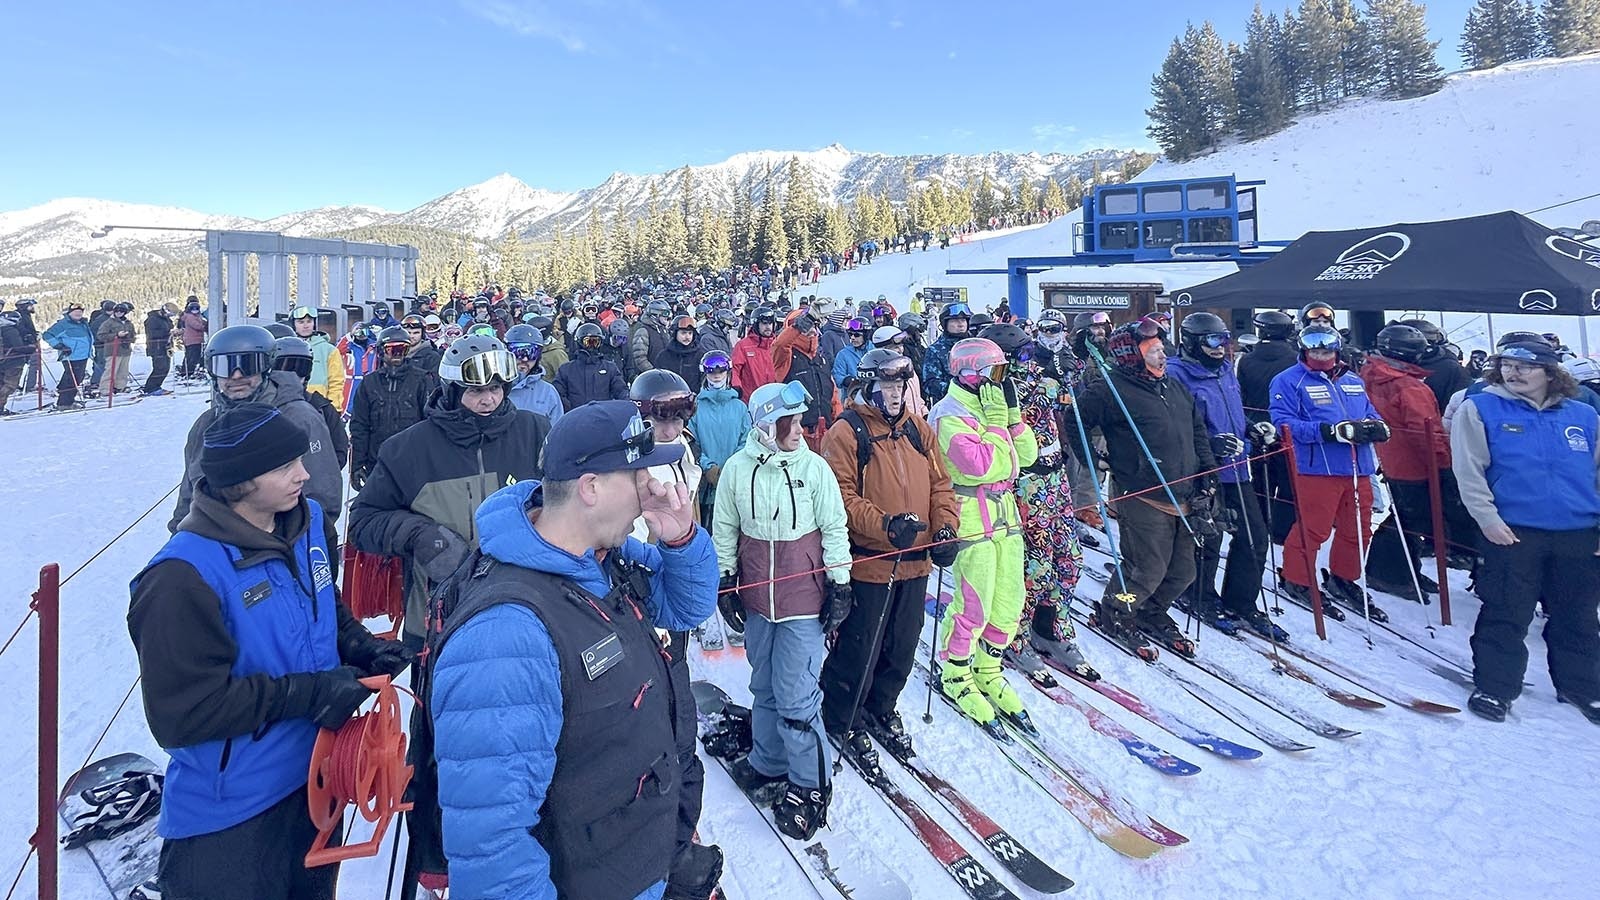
(786, 720)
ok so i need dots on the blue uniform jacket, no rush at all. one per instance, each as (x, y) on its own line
(497, 698)
(1304, 400)
(532, 393)
(1216, 395)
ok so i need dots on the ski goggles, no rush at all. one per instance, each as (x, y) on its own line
(303, 312)
(526, 352)
(894, 370)
(1216, 339)
(299, 365)
(223, 365)
(638, 440)
(791, 401)
(673, 406)
(396, 349)
(956, 311)
(1320, 314)
(858, 326)
(487, 367)
(1050, 328)
(1320, 340)
(996, 374)
(591, 342)
(715, 361)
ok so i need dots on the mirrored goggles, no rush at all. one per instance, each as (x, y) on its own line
(716, 362)
(591, 342)
(488, 367)
(675, 406)
(396, 350)
(526, 352)
(898, 370)
(223, 365)
(997, 373)
(1320, 340)
(1050, 328)
(638, 440)
(1319, 314)
(303, 312)
(1216, 339)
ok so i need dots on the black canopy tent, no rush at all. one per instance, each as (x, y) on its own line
(1498, 263)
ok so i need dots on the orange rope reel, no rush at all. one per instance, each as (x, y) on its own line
(363, 763)
(374, 585)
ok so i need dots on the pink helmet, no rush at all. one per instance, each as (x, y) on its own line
(974, 361)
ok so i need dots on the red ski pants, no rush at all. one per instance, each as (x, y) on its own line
(1327, 505)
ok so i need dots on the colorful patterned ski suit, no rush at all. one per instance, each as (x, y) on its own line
(1050, 569)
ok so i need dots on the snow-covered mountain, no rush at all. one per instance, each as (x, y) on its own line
(54, 238)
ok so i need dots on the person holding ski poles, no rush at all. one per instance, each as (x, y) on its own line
(985, 445)
(1053, 559)
(1159, 448)
(1204, 366)
(1527, 456)
(897, 497)
(1333, 424)
(779, 515)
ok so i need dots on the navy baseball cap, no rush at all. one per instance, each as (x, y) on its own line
(603, 436)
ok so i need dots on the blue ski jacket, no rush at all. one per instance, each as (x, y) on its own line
(532, 393)
(1304, 400)
(1216, 395)
(845, 363)
(72, 338)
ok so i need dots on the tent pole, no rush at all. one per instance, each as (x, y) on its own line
(1583, 334)
(1490, 318)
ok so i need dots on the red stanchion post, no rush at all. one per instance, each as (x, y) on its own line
(1305, 543)
(1441, 545)
(47, 603)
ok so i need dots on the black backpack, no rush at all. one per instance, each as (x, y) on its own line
(864, 440)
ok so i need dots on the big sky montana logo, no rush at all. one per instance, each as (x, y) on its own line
(1578, 250)
(1368, 259)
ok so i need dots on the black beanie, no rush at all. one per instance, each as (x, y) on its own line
(248, 440)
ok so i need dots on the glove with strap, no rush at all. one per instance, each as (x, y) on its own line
(1225, 446)
(729, 603)
(1263, 434)
(944, 549)
(836, 604)
(328, 698)
(1373, 431)
(903, 529)
(1008, 388)
(1341, 432)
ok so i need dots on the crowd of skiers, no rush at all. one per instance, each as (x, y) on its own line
(575, 484)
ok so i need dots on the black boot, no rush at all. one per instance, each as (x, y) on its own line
(857, 745)
(1488, 706)
(891, 733)
(1589, 708)
(1350, 594)
(760, 788)
(801, 810)
(695, 871)
(1115, 621)
(1165, 633)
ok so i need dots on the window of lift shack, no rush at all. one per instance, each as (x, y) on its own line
(1210, 229)
(1119, 235)
(1162, 232)
(1120, 202)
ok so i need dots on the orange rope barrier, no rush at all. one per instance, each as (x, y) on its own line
(363, 763)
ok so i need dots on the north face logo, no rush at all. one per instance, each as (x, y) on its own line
(1367, 259)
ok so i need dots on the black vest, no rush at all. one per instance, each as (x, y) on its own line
(813, 372)
(609, 817)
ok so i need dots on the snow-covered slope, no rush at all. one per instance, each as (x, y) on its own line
(485, 210)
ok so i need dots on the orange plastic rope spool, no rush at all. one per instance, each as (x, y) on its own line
(374, 585)
(363, 763)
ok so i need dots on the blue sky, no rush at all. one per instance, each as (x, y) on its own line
(264, 108)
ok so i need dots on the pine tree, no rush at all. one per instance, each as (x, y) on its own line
(513, 260)
(1214, 65)
(1285, 50)
(1178, 115)
(1054, 197)
(1570, 27)
(985, 203)
(742, 226)
(1357, 58)
(1527, 42)
(1258, 79)
(1318, 46)
(1406, 63)
(771, 246)
(839, 235)
(800, 209)
(1499, 31)
(1075, 190)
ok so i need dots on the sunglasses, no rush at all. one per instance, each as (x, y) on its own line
(678, 406)
(223, 365)
(638, 440)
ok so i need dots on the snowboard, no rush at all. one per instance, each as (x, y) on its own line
(129, 858)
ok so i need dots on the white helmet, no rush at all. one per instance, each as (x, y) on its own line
(887, 336)
(774, 401)
(1582, 368)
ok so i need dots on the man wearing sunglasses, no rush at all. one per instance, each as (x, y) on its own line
(239, 359)
(327, 364)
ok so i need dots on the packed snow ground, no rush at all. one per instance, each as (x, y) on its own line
(1415, 806)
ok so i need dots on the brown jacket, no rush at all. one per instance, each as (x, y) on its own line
(897, 479)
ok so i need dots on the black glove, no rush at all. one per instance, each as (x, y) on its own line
(1224, 446)
(1264, 434)
(1340, 432)
(729, 603)
(327, 698)
(440, 552)
(1009, 387)
(1208, 484)
(903, 529)
(944, 549)
(357, 479)
(836, 605)
(373, 655)
(1373, 431)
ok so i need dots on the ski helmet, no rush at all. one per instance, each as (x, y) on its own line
(292, 354)
(952, 311)
(618, 331)
(656, 312)
(1582, 369)
(1519, 337)
(975, 362)
(1316, 310)
(477, 360)
(662, 394)
(1201, 330)
(240, 348)
(775, 401)
(589, 336)
(525, 343)
(1051, 330)
(715, 361)
(858, 327)
(1086, 320)
(979, 321)
(1273, 325)
(879, 365)
(279, 330)
(911, 323)
(1403, 342)
(394, 343)
(1009, 338)
(764, 314)
(888, 336)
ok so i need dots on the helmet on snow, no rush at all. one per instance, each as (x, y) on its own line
(975, 362)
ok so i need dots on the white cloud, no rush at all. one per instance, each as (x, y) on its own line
(529, 18)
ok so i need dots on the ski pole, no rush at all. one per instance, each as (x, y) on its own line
(1250, 538)
(1122, 597)
(1272, 546)
(1412, 565)
(1105, 372)
(869, 655)
(1361, 540)
(933, 643)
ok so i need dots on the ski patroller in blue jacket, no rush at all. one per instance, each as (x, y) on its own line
(1304, 400)
(497, 698)
(74, 336)
(1216, 395)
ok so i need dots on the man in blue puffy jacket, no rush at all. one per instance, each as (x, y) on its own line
(74, 341)
(244, 653)
(551, 701)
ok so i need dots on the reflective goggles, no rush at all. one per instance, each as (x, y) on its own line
(716, 362)
(591, 342)
(674, 406)
(526, 352)
(897, 370)
(486, 368)
(1050, 328)
(638, 440)
(1320, 340)
(996, 374)
(1320, 314)
(396, 349)
(858, 326)
(1149, 327)
(1216, 339)
(303, 312)
(1100, 318)
(957, 311)
(223, 365)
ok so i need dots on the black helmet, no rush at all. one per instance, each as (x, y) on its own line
(663, 394)
(979, 321)
(724, 318)
(1401, 341)
(541, 322)
(911, 323)
(29, 302)
(123, 308)
(567, 307)
(1085, 320)
(247, 348)
(1430, 332)
(393, 334)
(108, 305)
(1519, 337)
(1274, 325)
(657, 311)
(586, 331)
(953, 311)
(293, 354)
(1009, 338)
(1195, 329)
(279, 329)
(476, 360)
(1309, 308)
(764, 314)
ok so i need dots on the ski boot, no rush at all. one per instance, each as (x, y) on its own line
(1021, 656)
(956, 680)
(1261, 624)
(802, 810)
(1209, 612)
(1405, 590)
(1589, 708)
(857, 746)
(1488, 706)
(695, 871)
(1052, 635)
(1350, 594)
(990, 677)
(1301, 594)
(1114, 617)
(1166, 634)
(891, 733)
(761, 789)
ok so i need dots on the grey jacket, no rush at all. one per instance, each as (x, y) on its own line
(284, 391)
